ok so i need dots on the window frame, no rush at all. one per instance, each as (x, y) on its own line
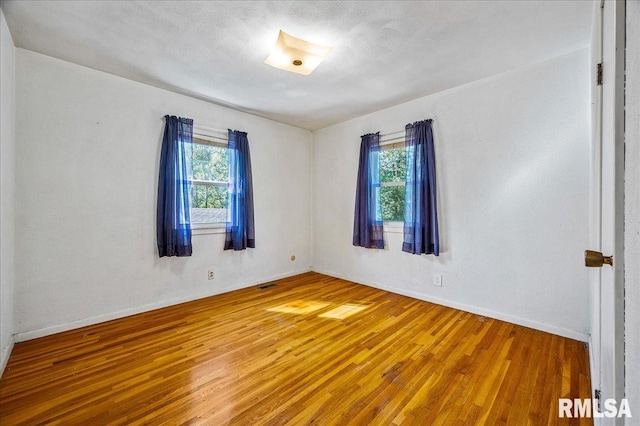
(398, 142)
(208, 137)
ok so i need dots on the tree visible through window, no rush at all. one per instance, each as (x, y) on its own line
(392, 180)
(209, 181)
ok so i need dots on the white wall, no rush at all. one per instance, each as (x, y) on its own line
(7, 146)
(86, 181)
(512, 156)
(632, 212)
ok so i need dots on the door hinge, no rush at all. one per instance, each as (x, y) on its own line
(598, 397)
(601, 4)
(599, 74)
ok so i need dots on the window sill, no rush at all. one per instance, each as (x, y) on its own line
(393, 227)
(208, 228)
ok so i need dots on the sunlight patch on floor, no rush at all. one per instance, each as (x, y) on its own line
(299, 307)
(343, 311)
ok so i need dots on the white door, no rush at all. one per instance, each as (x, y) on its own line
(607, 220)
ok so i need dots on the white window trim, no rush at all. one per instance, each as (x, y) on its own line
(208, 228)
(393, 143)
(394, 227)
(210, 135)
(208, 182)
(218, 138)
(204, 140)
(395, 183)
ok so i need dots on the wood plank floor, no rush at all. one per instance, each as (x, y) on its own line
(310, 350)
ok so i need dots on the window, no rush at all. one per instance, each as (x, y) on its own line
(209, 179)
(392, 181)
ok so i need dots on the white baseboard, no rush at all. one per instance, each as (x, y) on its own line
(6, 353)
(549, 328)
(34, 334)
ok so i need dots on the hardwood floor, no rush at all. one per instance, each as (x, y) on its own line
(310, 350)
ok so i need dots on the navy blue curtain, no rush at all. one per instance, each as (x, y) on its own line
(172, 216)
(240, 229)
(367, 221)
(420, 208)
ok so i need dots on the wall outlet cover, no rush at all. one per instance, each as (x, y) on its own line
(437, 280)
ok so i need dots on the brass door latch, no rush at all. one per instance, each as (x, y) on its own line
(595, 259)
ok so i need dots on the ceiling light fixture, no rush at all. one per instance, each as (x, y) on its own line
(296, 55)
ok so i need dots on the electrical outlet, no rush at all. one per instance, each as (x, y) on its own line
(211, 275)
(437, 280)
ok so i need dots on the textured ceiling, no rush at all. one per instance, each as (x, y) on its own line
(385, 53)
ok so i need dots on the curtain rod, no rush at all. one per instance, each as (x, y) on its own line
(393, 136)
(210, 138)
(210, 129)
(388, 138)
(211, 133)
(207, 129)
(384, 135)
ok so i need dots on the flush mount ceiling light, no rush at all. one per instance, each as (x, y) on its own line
(296, 55)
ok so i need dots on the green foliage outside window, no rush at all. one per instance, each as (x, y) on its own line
(209, 163)
(392, 203)
(393, 165)
(208, 197)
(392, 169)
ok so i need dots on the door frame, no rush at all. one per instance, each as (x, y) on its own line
(607, 222)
